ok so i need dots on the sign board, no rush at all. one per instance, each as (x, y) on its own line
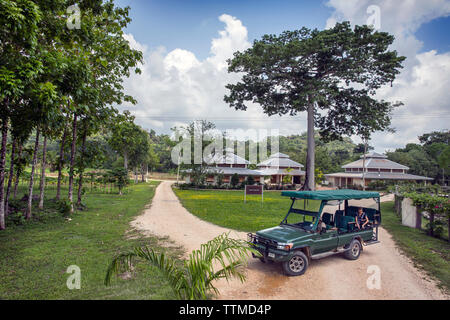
(254, 190)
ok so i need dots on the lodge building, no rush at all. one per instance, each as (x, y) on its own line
(269, 171)
(280, 165)
(376, 167)
(228, 165)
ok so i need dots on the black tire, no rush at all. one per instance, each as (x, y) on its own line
(354, 250)
(297, 265)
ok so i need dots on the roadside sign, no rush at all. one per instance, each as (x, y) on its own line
(258, 190)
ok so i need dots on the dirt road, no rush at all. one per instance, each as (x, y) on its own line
(329, 278)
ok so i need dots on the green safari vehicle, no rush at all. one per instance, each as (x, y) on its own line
(324, 225)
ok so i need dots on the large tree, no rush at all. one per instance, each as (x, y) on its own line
(18, 66)
(332, 74)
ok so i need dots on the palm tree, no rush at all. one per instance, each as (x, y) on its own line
(194, 280)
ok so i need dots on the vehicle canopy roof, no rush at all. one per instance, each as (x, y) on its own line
(341, 194)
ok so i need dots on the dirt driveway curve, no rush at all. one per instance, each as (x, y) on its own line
(330, 278)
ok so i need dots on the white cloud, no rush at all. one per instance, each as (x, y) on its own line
(423, 83)
(233, 38)
(176, 87)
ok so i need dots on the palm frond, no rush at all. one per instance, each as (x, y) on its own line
(123, 262)
(221, 257)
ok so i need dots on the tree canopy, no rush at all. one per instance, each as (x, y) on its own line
(333, 74)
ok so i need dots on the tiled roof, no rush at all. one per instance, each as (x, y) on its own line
(280, 160)
(228, 158)
(279, 155)
(270, 172)
(229, 171)
(380, 175)
(374, 155)
(375, 163)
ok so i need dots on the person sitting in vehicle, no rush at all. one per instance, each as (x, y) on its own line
(321, 226)
(361, 219)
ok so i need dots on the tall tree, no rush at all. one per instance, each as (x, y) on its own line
(123, 135)
(331, 74)
(18, 66)
(109, 59)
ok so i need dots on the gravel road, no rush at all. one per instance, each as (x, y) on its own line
(332, 277)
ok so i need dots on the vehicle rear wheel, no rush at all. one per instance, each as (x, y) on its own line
(354, 250)
(297, 265)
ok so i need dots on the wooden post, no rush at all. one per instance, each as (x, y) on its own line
(364, 165)
(418, 218)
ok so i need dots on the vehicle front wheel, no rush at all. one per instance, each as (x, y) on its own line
(297, 265)
(354, 250)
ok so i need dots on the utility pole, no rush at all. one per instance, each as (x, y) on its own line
(364, 165)
(178, 169)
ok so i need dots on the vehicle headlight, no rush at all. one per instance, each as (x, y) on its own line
(284, 246)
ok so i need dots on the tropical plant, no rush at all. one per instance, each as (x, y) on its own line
(120, 177)
(287, 179)
(435, 205)
(219, 179)
(234, 180)
(195, 278)
(319, 176)
(250, 180)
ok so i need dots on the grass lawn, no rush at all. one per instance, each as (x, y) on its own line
(429, 254)
(227, 208)
(35, 256)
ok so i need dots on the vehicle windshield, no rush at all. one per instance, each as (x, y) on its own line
(303, 215)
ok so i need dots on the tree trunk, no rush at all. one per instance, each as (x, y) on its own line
(142, 173)
(33, 166)
(125, 160)
(80, 180)
(2, 171)
(60, 164)
(42, 182)
(17, 178)
(310, 155)
(10, 177)
(72, 160)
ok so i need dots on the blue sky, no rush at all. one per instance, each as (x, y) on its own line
(186, 44)
(192, 24)
(435, 35)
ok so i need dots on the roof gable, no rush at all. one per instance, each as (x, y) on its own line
(375, 163)
(280, 160)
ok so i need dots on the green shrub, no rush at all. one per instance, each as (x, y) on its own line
(16, 218)
(64, 206)
(234, 180)
(250, 180)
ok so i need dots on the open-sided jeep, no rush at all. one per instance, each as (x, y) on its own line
(325, 224)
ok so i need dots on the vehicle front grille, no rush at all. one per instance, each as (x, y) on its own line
(253, 238)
